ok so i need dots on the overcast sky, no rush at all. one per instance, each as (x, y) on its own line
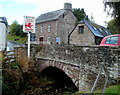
(17, 9)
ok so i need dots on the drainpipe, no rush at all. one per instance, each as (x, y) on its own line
(71, 33)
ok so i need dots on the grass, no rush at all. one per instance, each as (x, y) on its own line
(16, 38)
(112, 90)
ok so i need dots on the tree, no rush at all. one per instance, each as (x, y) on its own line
(80, 14)
(113, 26)
(16, 29)
(114, 10)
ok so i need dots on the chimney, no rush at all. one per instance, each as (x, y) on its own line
(68, 6)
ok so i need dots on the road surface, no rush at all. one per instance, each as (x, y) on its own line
(12, 44)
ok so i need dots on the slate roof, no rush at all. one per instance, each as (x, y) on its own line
(49, 16)
(97, 30)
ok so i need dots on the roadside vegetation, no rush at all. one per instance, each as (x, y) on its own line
(111, 90)
(16, 38)
(16, 33)
(113, 10)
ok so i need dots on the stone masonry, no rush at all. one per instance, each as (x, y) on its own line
(82, 63)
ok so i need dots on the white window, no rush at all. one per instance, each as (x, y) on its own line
(49, 40)
(42, 29)
(49, 28)
(106, 31)
(95, 28)
(100, 29)
(58, 40)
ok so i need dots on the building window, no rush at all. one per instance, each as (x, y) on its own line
(100, 29)
(95, 28)
(49, 28)
(81, 29)
(63, 16)
(112, 40)
(49, 40)
(106, 31)
(41, 39)
(58, 40)
(42, 29)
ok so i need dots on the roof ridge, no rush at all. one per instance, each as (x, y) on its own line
(53, 15)
(51, 12)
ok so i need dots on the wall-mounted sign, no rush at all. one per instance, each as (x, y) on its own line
(58, 40)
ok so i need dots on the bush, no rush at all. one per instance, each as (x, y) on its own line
(38, 48)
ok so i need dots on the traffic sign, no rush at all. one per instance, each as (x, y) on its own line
(29, 24)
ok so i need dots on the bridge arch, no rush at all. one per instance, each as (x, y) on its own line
(67, 70)
(59, 77)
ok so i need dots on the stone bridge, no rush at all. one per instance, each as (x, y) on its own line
(82, 64)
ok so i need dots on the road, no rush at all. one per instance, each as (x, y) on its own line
(12, 44)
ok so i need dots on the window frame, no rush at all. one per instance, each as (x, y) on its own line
(81, 29)
(42, 29)
(94, 28)
(42, 39)
(49, 28)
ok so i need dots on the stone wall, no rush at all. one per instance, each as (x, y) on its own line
(70, 70)
(45, 34)
(85, 38)
(89, 59)
(65, 24)
(60, 27)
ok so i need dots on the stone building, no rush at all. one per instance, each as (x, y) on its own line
(54, 27)
(87, 33)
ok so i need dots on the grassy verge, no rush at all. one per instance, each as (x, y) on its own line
(16, 38)
(112, 90)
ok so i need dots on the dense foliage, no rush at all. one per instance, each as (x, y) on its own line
(80, 14)
(113, 26)
(113, 9)
(16, 29)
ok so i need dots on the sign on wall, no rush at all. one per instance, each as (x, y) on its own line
(29, 24)
(58, 40)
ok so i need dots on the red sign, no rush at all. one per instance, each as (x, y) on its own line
(29, 24)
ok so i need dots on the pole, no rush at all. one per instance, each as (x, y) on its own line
(28, 44)
(96, 81)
